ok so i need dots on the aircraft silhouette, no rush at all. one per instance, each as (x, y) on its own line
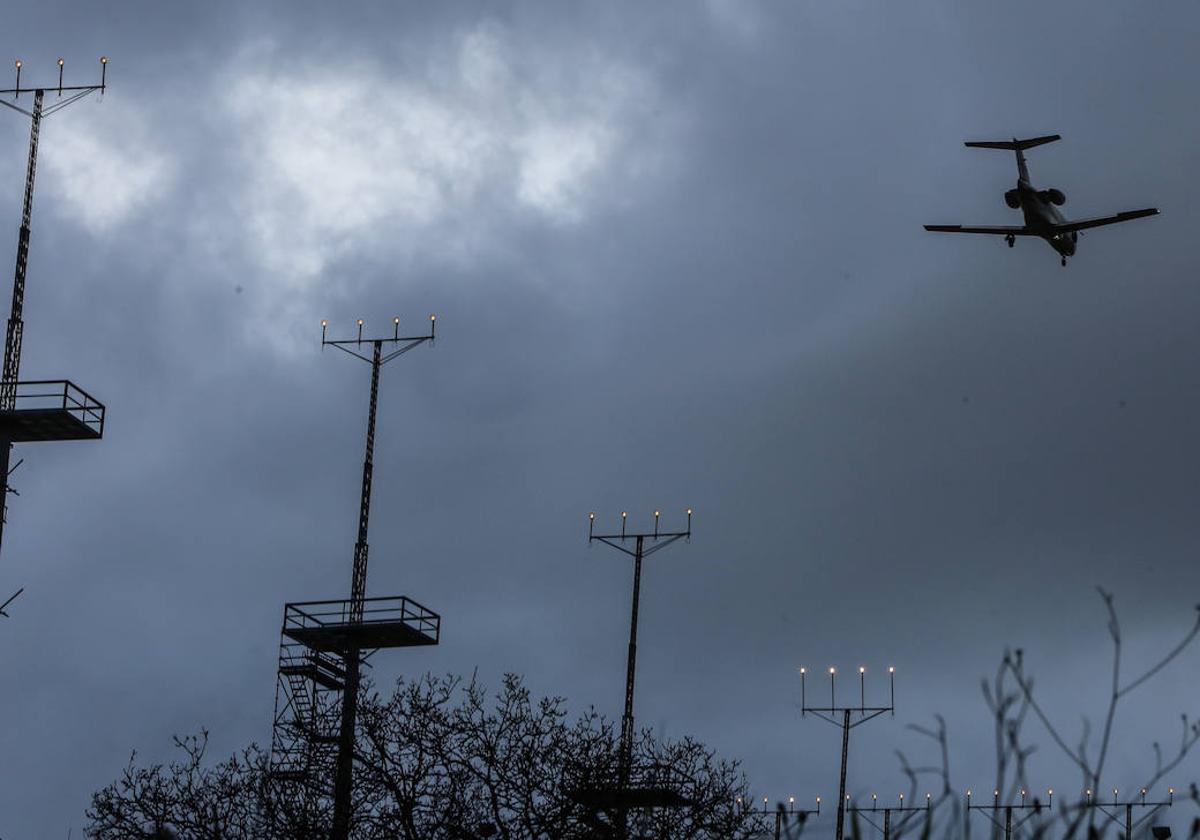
(1042, 217)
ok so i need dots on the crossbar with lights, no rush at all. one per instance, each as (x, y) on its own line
(408, 341)
(906, 812)
(74, 92)
(781, 813)
(1108, 808)
(1025, 809)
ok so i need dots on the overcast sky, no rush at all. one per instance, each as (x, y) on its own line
(677, 259)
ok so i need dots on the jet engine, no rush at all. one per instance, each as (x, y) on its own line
(1055, 197)
(1013, 199)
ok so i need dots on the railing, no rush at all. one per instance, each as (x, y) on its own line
(312, 615)
(61, 394)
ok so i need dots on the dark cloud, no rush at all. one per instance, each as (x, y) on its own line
(902, 449)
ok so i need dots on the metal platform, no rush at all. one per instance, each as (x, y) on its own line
(653, 786)
(52, 409)
(386, 623)
(605, 799)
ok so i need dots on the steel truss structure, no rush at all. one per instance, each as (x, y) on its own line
(38, 410)
(324, 644)
(632, 787)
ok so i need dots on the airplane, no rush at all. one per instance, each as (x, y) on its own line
(1040, 207)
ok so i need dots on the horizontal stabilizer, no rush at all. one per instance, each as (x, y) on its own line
(1013, 145)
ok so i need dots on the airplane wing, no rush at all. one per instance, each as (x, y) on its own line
(1083, 224)
(1000, 230)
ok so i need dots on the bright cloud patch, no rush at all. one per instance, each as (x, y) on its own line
(430, 164)
(104, 165)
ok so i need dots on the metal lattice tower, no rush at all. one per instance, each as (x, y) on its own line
(633, 787)
(323, 644)
(38, 410)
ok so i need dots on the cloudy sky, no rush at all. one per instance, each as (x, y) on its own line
(676, 254)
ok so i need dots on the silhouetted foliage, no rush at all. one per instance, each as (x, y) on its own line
(436, 760)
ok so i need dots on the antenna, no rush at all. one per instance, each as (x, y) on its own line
(628, 792)
(841, 716)
(42, 409)
(322, 643)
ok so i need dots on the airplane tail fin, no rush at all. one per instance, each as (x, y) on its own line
(1013, 145)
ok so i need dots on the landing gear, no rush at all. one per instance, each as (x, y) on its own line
(1011, 240)
(1064, 262)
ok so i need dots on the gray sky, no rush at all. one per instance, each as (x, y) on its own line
(677, 258)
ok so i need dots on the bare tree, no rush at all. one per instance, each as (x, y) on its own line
(438, 759)
(1010, 698)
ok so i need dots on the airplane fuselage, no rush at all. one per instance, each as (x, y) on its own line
(1042, 217)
